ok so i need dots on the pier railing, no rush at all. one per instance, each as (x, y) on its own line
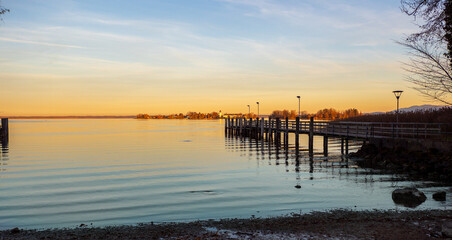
(363, 130)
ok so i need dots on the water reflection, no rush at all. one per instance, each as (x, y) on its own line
(3, 155)
(315, 163)
(66, 172)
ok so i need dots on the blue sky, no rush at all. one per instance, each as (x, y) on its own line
(63, 57)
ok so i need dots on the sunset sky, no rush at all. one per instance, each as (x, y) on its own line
(62, 57)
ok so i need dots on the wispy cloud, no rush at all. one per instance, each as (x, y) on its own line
(39, 43)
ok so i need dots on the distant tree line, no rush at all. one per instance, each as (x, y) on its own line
(189, 115)
(324, 114)
(442, 115)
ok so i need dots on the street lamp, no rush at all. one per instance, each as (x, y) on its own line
(249, 110)
(397, 94)
(257, 109)
(299, 114)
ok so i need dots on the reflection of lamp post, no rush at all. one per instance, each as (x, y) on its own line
(299, 114)
(249, 110)
(257, 109)
(397, 94)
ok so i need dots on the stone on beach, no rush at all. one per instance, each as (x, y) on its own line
(408, 197)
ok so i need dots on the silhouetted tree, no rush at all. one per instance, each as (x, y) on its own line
(448, 29)
(430, 70)
(2, 10)
(430, 62)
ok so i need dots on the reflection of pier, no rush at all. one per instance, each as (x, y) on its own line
(272, 129)
(304, 165)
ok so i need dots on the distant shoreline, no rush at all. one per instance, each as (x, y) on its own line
(67, 117)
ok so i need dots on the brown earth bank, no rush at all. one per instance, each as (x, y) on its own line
(335, 224)
(418, 162)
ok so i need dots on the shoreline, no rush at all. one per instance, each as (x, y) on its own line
(334, 224)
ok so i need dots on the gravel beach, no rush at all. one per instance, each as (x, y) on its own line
(335, 224)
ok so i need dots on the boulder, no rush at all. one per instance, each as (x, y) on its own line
(440, 196)
(408, 197)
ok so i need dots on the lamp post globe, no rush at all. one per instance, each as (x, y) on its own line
(299, 113)
(257, 109)
(397, 94)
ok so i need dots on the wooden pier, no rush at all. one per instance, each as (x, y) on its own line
(278, 130)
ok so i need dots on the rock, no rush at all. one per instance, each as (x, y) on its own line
(15, 230)
(446, 229)
(297, 186)
(408, 197)
(440, 196)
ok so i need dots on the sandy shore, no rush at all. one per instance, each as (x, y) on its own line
(336, 224)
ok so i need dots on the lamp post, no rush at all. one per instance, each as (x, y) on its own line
(249, 110)
(257, 109)
(299, 113)
(397, 94)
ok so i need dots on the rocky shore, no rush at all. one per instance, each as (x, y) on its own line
(427, 164)
(336, 224)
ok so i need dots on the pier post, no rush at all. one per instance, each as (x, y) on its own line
(229, 125)
(256, 129)
(342, 146)
(286, 133)
(346, 146)
(277, 132)
(311, 135)
(325, 145)
(225, 125)
(262, 128)
(250, 128)
(4, 130)
(232, 126)
(240, 126)
(270, 130)
(297, 133)
(266, 128)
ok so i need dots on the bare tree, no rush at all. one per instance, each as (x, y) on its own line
(432, 13)
(2, 10)
(430, 71)
(430, 62)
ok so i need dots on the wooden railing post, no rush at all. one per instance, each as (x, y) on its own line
(286, 135)
(256, 129)
(297, 133)
(311, 135)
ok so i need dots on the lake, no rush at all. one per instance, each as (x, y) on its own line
(61, 173)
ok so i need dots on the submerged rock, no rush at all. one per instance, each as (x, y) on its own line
(440, 196)
(408, 197)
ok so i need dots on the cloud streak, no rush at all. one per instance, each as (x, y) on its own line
(40, 43)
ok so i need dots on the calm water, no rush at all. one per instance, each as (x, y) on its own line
(61, 173)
